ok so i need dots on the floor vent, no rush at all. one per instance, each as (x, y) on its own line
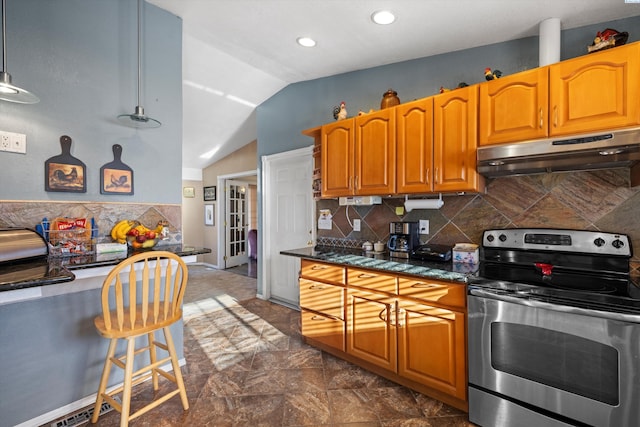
(83, 416)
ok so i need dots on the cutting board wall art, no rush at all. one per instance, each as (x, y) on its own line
(115, 176)
(65, 172)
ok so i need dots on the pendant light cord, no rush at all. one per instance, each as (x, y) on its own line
(4, 38)
(139, 44)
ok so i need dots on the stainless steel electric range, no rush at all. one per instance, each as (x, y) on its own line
(554, 330)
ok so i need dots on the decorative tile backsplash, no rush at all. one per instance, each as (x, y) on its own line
(29, 213)
(595, 200)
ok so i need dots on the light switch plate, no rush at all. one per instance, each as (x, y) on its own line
(424, 226)
(356, 225)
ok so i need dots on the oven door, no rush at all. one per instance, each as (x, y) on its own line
(543, 364)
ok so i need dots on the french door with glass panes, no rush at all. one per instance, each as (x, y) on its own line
(236, 223)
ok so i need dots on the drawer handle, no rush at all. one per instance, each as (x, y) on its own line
(319, 267)
(317, 287)
(318, 318)
(422, 285)
(367, 276)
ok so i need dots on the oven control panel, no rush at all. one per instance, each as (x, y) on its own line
(580, 241)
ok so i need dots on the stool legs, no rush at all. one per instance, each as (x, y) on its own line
(153, 358)
(128, 380)
(176, 367)
(103, 380)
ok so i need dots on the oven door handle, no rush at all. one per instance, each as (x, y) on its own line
(532, 302)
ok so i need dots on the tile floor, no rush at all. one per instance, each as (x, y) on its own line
(247, 365)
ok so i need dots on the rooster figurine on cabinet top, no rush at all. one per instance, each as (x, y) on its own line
(340, 113)
(491, 75)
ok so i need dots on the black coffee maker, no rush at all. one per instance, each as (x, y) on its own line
(404, 237)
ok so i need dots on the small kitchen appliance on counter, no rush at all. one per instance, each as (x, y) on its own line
(404, 237)
(432, 252)
(553, 330)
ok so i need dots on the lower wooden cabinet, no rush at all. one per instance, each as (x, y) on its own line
(411, 330)
(323, 329)
(371, 330)
(432, 347)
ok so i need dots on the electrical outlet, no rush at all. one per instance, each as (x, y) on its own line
(356, 225)
(13, 142)
(424, 226)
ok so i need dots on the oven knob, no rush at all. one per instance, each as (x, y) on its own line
(502, 238)
(599, 242)
(618, 243)
(490, 238)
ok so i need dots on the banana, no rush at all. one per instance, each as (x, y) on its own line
(119, 231)
(116, 228)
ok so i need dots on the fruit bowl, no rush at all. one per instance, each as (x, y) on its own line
(141, 242)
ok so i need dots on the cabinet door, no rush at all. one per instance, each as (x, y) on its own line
(371, 330)
(322, 298)
(432, 347)
(337, 158)
(414, 146)
(324, 329)
(595, 92)
(375, 155)
(514, 108)
(455, 140)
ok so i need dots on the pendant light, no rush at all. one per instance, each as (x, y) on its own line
(138, 119)
(9, 92)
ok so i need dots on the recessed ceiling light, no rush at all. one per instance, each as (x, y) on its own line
(306, 41)
(383, 17)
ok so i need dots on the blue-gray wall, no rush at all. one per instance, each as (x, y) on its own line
(80, 58)
(305, 105)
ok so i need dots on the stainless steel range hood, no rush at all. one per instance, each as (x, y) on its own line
(603, 150)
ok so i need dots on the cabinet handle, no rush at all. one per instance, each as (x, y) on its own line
(319, 267)
(422, 285)
(355, 182)
(317, 287)
(435, 177)
(383, 316)
(367, 276)
(555, 116)
(427, 176)
(318, 318)
(541, 121)
(401, 314)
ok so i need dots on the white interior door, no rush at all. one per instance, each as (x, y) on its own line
(236, 223)
(288, 221)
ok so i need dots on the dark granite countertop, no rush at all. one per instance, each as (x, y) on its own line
(53, 270)
(383, 262)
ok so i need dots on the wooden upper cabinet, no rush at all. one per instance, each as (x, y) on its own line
(414, 146)
(595, 92)
(375, 153)
(514, 108)
(337, 153)
(455, 140)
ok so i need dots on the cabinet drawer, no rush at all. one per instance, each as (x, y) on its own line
(431, 290)
(323, 272)
(326, 330)
(322, 297)
(372, 280)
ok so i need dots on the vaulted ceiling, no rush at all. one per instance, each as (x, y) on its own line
(238, 53)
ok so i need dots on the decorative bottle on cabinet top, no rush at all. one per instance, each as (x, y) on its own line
(389, 99)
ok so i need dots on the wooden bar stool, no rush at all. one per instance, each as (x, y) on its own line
(148, 299)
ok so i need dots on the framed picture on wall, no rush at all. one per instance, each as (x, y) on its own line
(208, 215)
(210, 193)
(188, 192)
